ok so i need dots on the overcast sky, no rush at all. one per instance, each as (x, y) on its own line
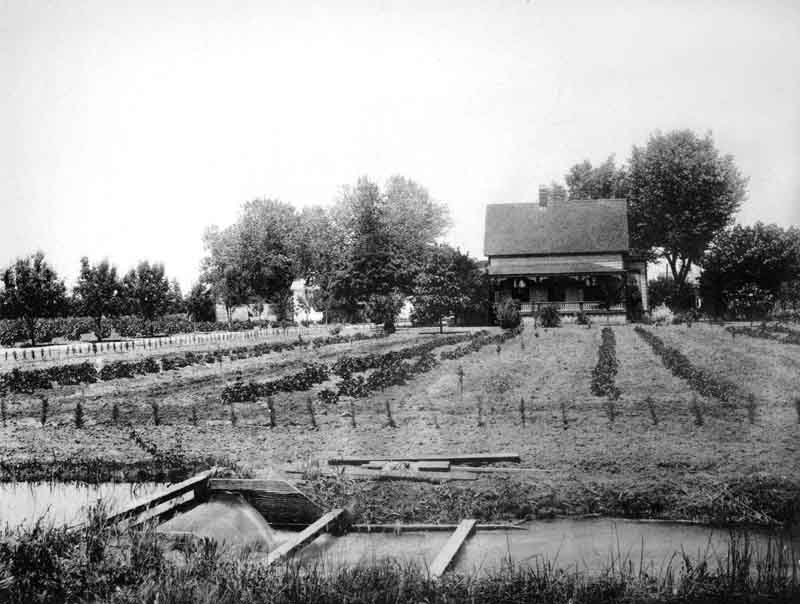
(128, 127)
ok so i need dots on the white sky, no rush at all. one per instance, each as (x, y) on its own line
(128, 127)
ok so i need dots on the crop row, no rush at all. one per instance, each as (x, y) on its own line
(29, 380)
(478, 341)
(605, 372)
(776, 332)
(343, 367)
(701, 381)
(312, 373)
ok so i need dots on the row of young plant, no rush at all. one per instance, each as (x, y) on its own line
(478, 341)
(605, 372)
(30, 380)
(701, 381)
(774, 331)
(387, 369)
(312, 374)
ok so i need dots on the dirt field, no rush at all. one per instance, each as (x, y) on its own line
(726, 468)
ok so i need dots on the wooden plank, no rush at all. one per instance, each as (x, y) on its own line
(507, 470)
(434, 477)
(304, 537)
(446, 555)
(433, 466)
(191, 484)
(280, 502)
(477, 459)
(428, 528)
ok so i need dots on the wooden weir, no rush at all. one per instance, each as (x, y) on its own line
(282, 505)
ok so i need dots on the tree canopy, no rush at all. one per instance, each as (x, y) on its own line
(682, 194)
(147, 290)
(766, 257)
(31, 291)
(98, 293)
(605, 181)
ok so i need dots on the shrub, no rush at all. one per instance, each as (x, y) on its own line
(335, 330)
(662, 315)
(582, 319)
(549, 317)
(507, 313)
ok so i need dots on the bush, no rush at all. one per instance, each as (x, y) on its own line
(507, 313)
(549, 317)
(582, 319)
(662, 315)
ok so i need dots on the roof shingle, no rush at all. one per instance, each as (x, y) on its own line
(569, 227)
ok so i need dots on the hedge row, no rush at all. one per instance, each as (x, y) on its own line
(605, 371)
(701, 381)
(28, 380)
(128, 326)
(312, 373)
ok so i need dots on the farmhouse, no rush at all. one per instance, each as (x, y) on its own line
(572, 254)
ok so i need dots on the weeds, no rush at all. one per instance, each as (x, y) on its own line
(389, 419)
(271, 408)
(44, 410)
(155, 413)
(114, 413)
(611, 410)
(522, 410)
(311, 415)
(193, 417)
(752, 408)
(697, 410)
(78, 415)
(234, 419)
(651, 406)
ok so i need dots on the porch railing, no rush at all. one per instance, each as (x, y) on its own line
(569, 307)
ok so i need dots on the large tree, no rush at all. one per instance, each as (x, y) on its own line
(449, 283)
(147, 290)
(31, 291)
(683, 192)
(98, 293)
(605, 181)
(386, 236)
(764, 256)
(257, 258)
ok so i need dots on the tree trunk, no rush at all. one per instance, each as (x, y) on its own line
(441, 325)
(98, 321)
(30, 323)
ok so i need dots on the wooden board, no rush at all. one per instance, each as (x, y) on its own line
(305, 536)
(446, 555)
(433, 466)
(478, 459)
(279, 502)
(507, 470)
(435, 477)
(428, 528)
(194, 483)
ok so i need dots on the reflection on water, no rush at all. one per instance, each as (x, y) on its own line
(23, 503)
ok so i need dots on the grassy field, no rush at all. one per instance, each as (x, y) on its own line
(651, 460)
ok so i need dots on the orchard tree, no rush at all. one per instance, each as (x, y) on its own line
(98, 293)
(682, 194)
(147, 290)
(605, 181)
(31, 291)
(764, 256)
(448, 283)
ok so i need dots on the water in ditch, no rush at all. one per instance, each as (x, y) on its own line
(585, 544)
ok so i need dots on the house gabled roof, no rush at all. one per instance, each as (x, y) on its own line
(568, 227)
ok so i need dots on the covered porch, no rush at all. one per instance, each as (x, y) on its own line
(595, 293)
